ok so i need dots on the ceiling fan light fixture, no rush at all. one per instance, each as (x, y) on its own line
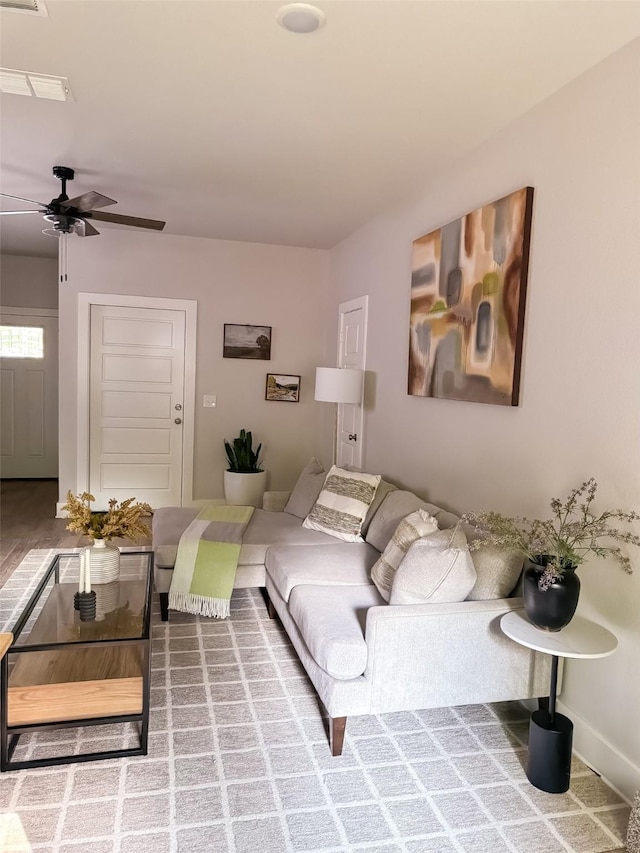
(71, 216)
(301, 18)
(61, 224)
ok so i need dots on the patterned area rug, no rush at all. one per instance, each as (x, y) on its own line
(239, 761)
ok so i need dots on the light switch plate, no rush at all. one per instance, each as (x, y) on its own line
(209, 401)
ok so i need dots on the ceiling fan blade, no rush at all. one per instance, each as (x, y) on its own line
(28, 200)
(88, 201)
(85, 229)
(13, 212)
(118, 219)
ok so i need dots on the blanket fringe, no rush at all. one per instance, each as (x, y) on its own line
(199, 605)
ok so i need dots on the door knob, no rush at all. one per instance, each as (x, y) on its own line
(353, 436)
(178, 407)
(178, 421)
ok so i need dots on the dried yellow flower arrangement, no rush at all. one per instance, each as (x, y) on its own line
(120, 520)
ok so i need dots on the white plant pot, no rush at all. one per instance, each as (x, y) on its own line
(244, 489)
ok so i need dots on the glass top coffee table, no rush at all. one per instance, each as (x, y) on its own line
(61, 672)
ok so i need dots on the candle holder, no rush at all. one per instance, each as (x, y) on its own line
(87, 605)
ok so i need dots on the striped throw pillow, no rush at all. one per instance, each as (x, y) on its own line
(342, 504)
(416, 525)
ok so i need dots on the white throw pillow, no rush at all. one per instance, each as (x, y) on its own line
(436, 568)
(342, 504)
(414, 526)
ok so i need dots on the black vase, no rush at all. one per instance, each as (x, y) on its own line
(553, 608)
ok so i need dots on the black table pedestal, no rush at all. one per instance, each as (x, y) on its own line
(550, 740)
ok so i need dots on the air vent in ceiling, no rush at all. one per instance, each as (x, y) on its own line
(13, 82)
(30, 7)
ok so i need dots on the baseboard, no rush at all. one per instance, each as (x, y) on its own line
(59, 512)
(602, 757)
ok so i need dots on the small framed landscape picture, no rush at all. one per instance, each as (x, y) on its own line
(283, 387)
(246, 341)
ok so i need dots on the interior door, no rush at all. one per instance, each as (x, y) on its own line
(136, 404)
(28, 396)
(352, 352)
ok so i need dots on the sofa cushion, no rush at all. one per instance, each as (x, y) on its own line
(168, 525)
(381, 492)
(497, 569)
(331, 621)
(436, 568)
(415, 525)
(267, 529)
(396, 506)
(340, 564)
(343, 503)
(306, 490)
(264, 529)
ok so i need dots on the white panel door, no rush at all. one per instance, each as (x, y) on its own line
(136, 404)
(29, 396)
(352, 352)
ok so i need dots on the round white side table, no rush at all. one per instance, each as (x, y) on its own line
(551, 733)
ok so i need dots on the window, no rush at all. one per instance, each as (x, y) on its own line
(21, 342)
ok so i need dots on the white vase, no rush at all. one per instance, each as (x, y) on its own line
(244, 489)
(103, 562)
(107, 597)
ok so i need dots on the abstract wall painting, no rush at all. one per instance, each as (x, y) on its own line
(246, 341)
(468, 288)
(283, 387)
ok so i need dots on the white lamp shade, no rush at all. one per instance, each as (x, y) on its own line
(339, 385)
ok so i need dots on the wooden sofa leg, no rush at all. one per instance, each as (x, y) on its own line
(337, 726)
(164, 606)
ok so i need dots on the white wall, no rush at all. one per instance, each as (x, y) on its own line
(286, 288)
(580, 395)
(27, 282)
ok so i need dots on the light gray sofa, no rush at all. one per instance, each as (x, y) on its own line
(365, 656)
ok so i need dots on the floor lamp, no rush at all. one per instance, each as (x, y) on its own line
(339, 385)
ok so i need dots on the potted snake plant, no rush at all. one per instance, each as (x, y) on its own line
(244, 480)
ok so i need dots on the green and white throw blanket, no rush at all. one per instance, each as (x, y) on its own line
(207, 560)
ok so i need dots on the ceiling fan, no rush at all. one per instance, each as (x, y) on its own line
(72, 215)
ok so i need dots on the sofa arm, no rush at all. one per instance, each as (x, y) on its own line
(434, 655)
(275, 501)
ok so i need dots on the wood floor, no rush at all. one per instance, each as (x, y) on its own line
(27, 520)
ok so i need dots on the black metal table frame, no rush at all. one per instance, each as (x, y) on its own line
(10, 735)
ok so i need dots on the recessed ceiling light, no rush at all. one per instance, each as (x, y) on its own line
(301, 18)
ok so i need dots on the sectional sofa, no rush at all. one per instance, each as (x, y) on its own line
(362, 654)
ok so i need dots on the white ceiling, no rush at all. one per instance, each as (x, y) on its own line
(210, 116)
